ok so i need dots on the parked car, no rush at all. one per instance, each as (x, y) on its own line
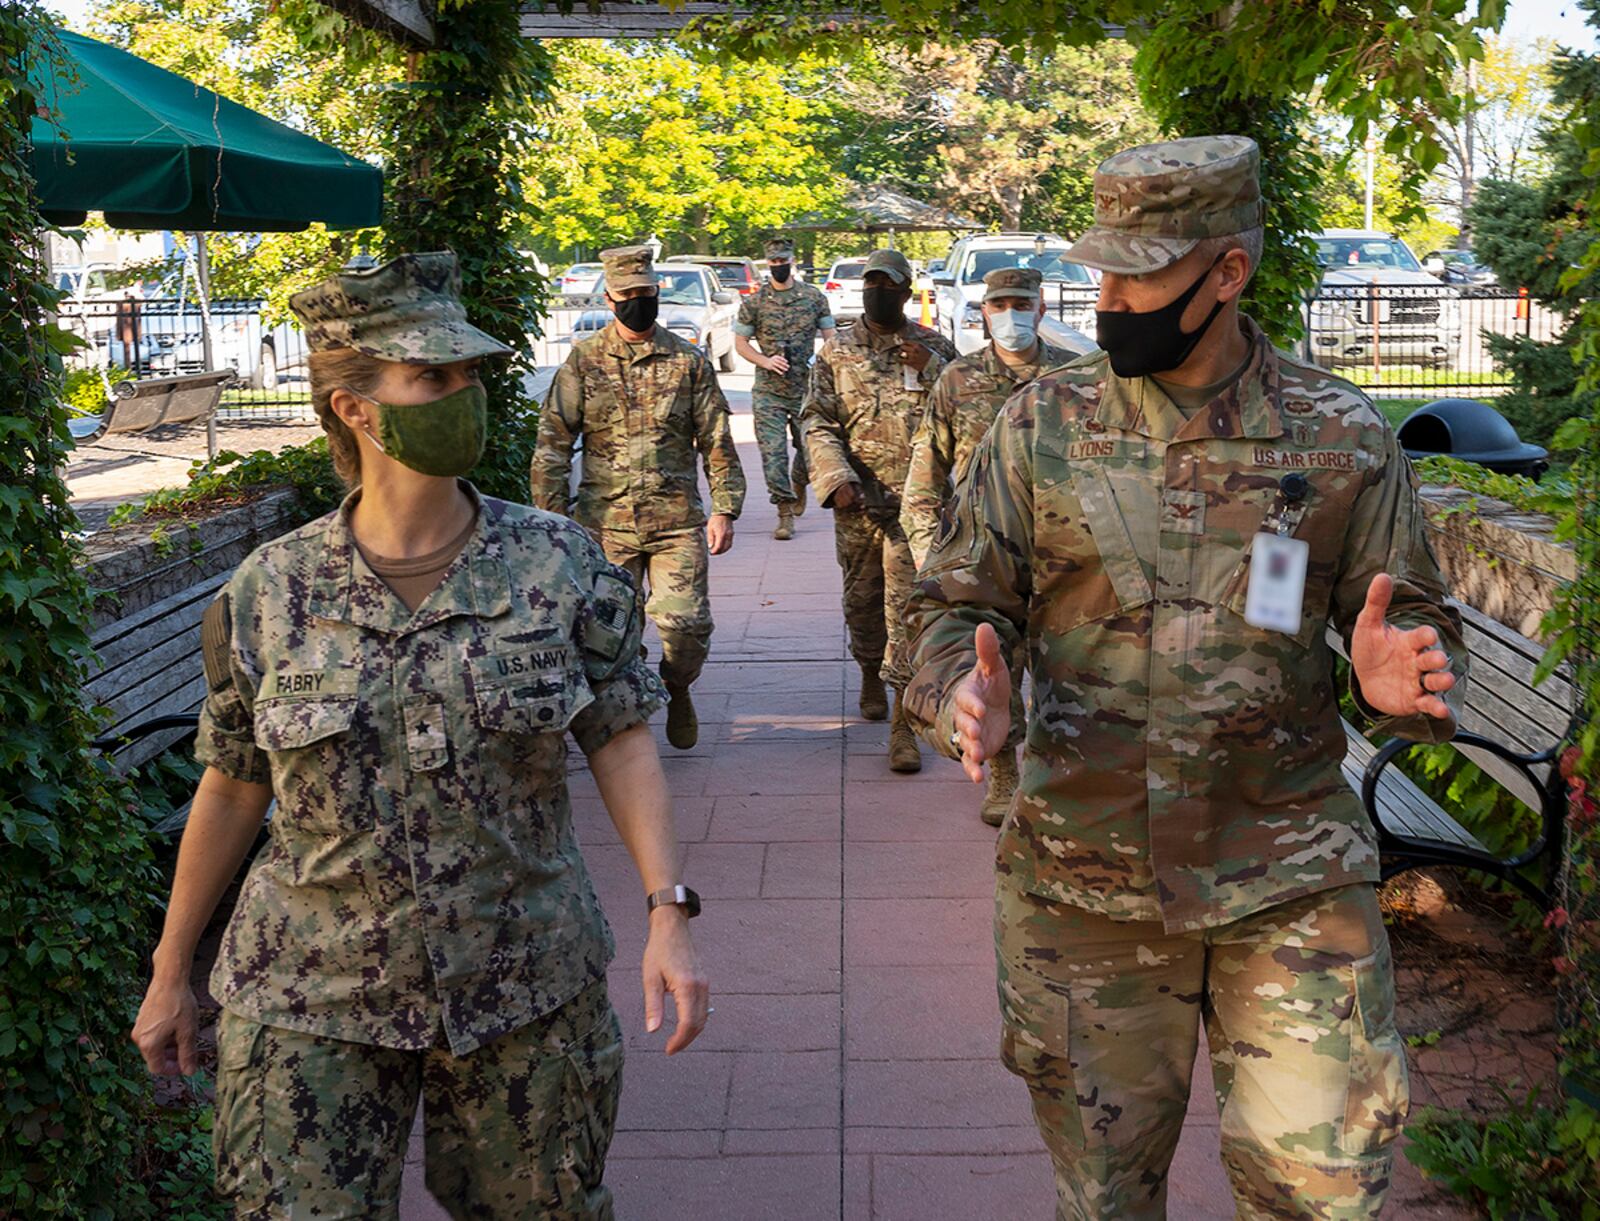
(843, 288)
(1375, 296)
(580, 280)
(1070, 289)
(694, 307)
(1053, 331)
(1461, 269)
(735, 275)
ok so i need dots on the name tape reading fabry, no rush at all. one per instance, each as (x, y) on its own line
(304, 684)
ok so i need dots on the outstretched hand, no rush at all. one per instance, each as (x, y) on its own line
(983, 705)
(1401, 672)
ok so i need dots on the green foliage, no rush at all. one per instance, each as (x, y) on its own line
(659, 138)
(232, 478)
(1530, 1160)
(84, 391)
(79, 881)
(1552, 494)
(461, 127)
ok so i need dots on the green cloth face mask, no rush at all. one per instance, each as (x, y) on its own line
(444, 437)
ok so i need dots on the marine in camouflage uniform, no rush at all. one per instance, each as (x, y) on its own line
(862, 406)
(644, 410)
(421, 923)
(964, 402)
(783, 317)
(1184, 844)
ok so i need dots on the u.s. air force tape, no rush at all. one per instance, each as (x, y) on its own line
(613, 613)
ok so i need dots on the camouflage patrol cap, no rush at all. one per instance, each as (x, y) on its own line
(409, 310)
(628, 267)
(1153, 204)
(1012, 282)
(780, 248)
(891, 262)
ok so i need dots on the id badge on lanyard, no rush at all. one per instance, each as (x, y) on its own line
(1278, 563)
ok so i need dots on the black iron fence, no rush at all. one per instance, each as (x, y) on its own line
(157, 337)
(1421, 341)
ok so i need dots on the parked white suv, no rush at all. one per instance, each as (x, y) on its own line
(843, 288)
(1070, 289)
(1376, 299)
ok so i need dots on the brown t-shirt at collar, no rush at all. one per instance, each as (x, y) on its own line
(414, 579)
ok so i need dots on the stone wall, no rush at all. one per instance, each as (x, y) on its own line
(1497, 559)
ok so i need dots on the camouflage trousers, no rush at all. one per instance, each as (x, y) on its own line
(777, 421)
(672, 570)
(308, 1126)
(878, 574)
(1101, 1020)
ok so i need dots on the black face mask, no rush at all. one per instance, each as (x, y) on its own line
(883, 305)
(638, 313)
(1154, 341)
(780, 272)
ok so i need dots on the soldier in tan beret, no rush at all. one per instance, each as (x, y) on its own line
(646, 403)
(1168, 527)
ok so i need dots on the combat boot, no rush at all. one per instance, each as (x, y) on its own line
(903, 753)
(683, 727)
(874, 699)
(785, 530)
(1002, 787)
(799, 499)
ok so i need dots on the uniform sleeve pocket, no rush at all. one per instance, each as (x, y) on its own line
(292, 724)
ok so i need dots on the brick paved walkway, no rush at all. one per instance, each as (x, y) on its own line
(851, 1068)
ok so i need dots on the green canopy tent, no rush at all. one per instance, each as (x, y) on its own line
(151, 150)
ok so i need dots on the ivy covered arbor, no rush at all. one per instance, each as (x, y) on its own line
(73, 916)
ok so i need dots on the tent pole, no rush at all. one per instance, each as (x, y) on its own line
(203, 275)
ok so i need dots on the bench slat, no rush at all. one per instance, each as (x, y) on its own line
(178, 616)
(186, 698)
(1407, 810)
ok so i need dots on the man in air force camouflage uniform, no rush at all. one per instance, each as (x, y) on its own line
(1183, 844)
(964, 402)
(868, 389)
(784, 317)
(645, 402)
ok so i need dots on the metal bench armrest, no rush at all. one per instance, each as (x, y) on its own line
(178, 720)
(1549, 816)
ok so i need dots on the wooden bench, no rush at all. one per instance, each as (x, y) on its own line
(138, 406)
(1512, 730)
(150, 669)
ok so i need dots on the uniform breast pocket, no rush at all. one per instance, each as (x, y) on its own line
(322, 782)
(525, 700)
(1085, 566)
(1229, 572)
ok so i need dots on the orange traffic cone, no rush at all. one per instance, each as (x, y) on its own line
(1522, 303)
(927, 307)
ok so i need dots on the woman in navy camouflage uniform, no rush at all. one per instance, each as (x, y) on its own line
(401, 676)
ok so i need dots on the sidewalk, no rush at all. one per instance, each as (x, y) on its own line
(851, 1068)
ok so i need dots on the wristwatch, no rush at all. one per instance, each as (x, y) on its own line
(677, 896)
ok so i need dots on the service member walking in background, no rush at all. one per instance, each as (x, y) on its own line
(868, 390)
(402, 676)
(645, 402)
(1171, 527)
(964, 403)
(785, 317)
